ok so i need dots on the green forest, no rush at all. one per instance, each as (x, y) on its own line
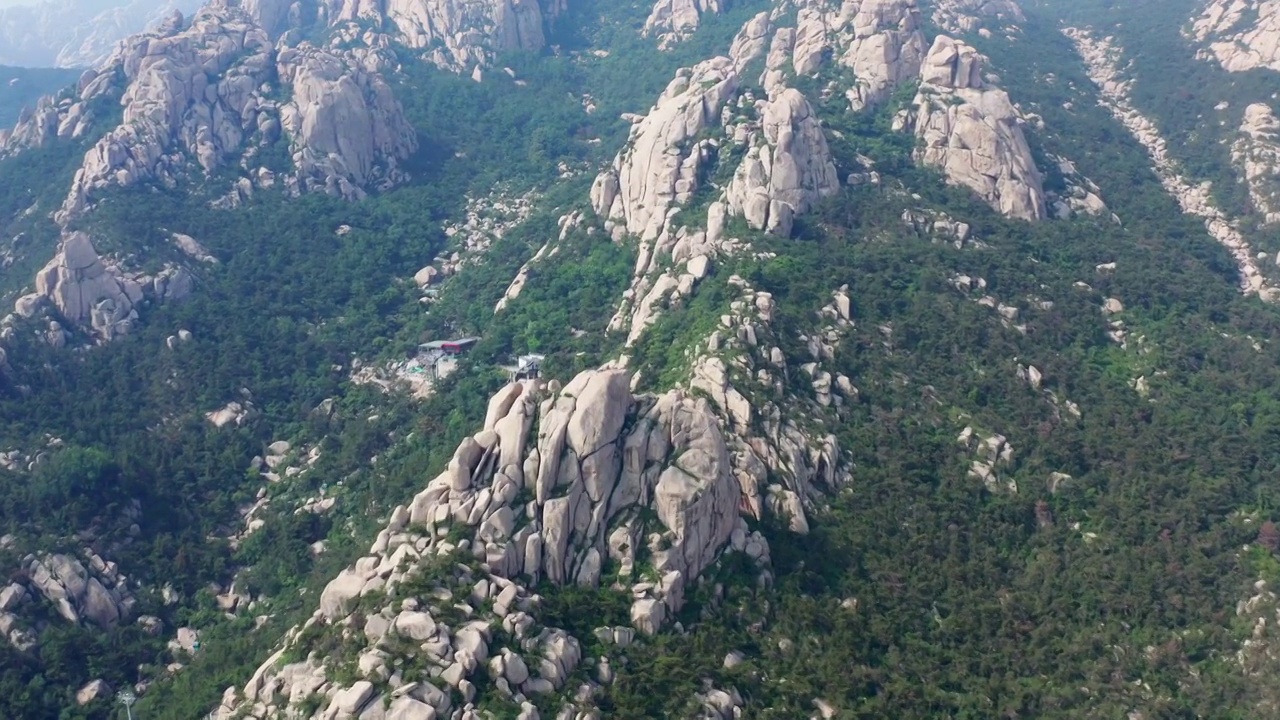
(917, 593)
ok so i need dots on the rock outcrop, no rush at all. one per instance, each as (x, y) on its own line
(1256, 155)
(92, 692)
(1239, 34)
(345, 129)
(170, 105)
(1101, 60)
(97, 594)
(787, 168)
(781, 467)
(971, 132)
(662, 164)
(988, 454)
(673, 20)
(201, 95)
(884, 51)
(588, 479)
(970, 16)
(197, 99)
(585, 466)
(101, 296)
(880, 41)
(1080, 196)
(557, 485)
(451, 34)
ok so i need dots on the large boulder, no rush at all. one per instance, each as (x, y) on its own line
(1240, 35)
(673, 20)
(972, 133)
(96, 594)
(787, 169)
(661, 165)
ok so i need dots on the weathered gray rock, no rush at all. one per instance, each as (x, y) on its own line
(972, 133)
(12, 596)
(674, 20)
(94, 690)
(408, 708)
(170, 106)
(886, 48)
(345, 128)
(787, 169)
(87, 292)
(968, 16)
(97, 595)
(660, 166)
(1256, 156)
(559, 482)
(340, 591)
(453, 35)
(751, 41)
(1239, 34)
(201, 96)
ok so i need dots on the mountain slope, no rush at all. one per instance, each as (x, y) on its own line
(74, 33)
(894, 361)
(22, 87)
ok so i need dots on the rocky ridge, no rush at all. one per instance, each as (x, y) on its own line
(661, 171)
(879, 41)
(782, 430)
(198, 98)
(75, 33)
(561, 484)
(1101, 60)
(453, 35)
(1256, 153)
(673, 20)
(972, 132)
(1239, 34)
(786, 166)
(345, 130)
(973, 16)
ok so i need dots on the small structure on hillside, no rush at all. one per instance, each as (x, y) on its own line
(439, 358)
(449, 347)
(528, 367)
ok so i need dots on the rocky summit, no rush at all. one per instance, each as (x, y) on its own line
(425, 359)
(973, 133)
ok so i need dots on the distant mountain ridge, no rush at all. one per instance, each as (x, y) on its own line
(22, 87)
(76, 33)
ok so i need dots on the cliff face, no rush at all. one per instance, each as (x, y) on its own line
(1256, 152)
(1239, 35)
(558, 485)
(972, 133)
(453, 35)
(197, 98)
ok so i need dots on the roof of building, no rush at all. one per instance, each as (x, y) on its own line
(441, 344)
